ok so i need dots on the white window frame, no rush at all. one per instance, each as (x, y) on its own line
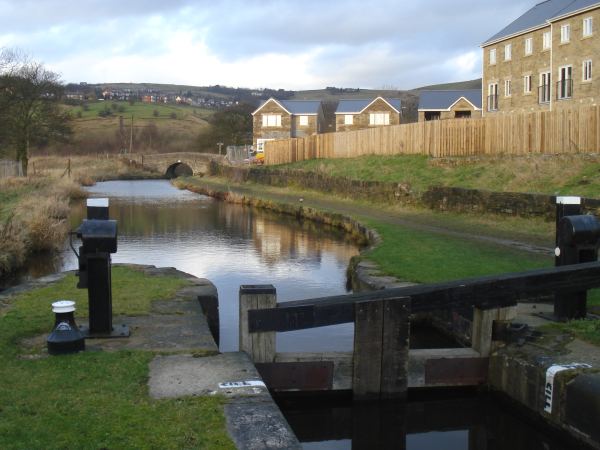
(507, 88)
(588, 27)
(493, 92)
(303, 121)
(271, 120)
(527, 84)
(587, 70)
(260, 145)
(547, 92)
(492, 56)
(565, 33)
(507, 52)
(528, 46)
(546, 40)
(348, 119)
(568, 90)
(379, 118)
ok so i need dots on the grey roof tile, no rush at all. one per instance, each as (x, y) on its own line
(444, 99)
(356, 106)
(295, 107)
(536, 16)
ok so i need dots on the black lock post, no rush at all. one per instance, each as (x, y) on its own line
(565, 206)
(98, 236)
(578, 239)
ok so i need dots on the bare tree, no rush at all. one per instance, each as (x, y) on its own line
(29, 107)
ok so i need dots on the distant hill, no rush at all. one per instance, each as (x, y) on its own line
(471, 84)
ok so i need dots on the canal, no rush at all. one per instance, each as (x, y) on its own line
(233, 245)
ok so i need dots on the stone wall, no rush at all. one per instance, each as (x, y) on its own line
(435, 198)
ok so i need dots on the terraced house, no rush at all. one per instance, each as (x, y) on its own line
(284, 119)
(544, 60)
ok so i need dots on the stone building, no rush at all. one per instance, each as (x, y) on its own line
(284, 119)
(358, 114)
(449, 104)
(544, 59)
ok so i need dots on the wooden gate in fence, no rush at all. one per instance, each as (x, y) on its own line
(9, 168)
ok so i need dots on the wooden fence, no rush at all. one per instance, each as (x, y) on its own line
(9, 168)
(562, 131)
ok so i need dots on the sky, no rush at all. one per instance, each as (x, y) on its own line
(302, 44)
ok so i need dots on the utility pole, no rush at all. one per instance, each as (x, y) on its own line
(131, 137)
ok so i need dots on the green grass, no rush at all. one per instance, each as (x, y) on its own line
(566, 174)
(11, 193)
(586, 330)
(94, 399)
(423, 257)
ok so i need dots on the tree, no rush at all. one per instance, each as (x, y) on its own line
(29, 108)
(233, 126)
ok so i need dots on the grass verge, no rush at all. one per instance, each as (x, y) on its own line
(94, 399)
(550, 174)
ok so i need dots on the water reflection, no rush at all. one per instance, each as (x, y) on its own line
(467, 423)
(230, 245)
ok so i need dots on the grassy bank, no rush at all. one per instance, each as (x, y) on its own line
(556, 174)
(93, 399)
(33, 217)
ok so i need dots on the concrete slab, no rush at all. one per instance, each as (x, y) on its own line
(254, 421)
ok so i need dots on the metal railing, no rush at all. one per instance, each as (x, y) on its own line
(564, 89)
(492, 104)
(544, 93)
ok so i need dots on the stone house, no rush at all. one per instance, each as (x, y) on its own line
(544, 59)
(284, 119)
(449, 104)
(359, 114)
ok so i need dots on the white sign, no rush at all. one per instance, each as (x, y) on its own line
(550, 373)
(241, 384)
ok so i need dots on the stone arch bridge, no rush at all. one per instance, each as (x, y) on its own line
(173, 165)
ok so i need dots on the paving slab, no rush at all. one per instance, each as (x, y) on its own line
(254, 421)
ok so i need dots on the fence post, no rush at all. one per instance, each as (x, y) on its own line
(483, 321)
(381, 342)
(259, 346)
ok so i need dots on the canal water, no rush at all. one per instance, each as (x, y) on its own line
(233, 245)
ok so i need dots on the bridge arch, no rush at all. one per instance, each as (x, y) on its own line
(179, 169)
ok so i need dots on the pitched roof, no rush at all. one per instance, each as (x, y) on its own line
(440, 100)
(359, 105)
(295, 107)
(539, 16)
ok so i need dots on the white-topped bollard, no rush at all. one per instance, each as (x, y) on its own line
(65, 337)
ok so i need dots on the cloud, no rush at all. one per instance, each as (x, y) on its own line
(257, 43)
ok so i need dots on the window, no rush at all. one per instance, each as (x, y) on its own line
(432, 115)
(528, 46)
(303, 121)
(588, 26)
(507, 88)
(587, 70)
(565, 82)
(348, 119)
(507, 52)
(271, 120)
(493, 97)
(527, 84)
(546, 40)
(544, 90)
(379, 119)
(493, 56)
(565, 33)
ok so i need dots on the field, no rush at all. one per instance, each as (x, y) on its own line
(156, 128)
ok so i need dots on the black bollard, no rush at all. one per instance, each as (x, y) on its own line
(65, 337)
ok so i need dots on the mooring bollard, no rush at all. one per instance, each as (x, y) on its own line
(65, 337)
(259, 346)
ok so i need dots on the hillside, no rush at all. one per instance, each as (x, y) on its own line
(471, 84)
